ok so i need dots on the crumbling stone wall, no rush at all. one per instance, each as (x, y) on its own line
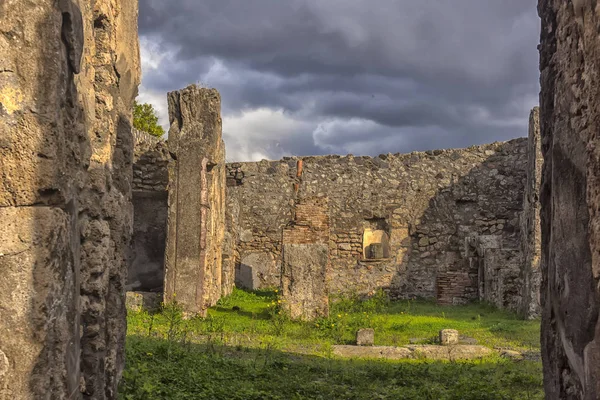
(65, 197)
(150, 194)
(196, 202)
(570, 198)
(427, 203)
(305, 261)
(530, 222)
(498, 271)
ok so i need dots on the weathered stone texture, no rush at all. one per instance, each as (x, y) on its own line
(424, 204)
(498, 269)
(65, 197)
(530, 222)
(196, 216)
(365, 337)
(570, 198)
(148, 301)
(448, 337)
(255, 271)
(306, 261)
(150, 195)
(430, 352)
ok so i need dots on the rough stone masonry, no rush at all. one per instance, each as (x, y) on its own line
(196, 205)
(443, 223)
(570, 198)
(69, 71)
(150, 202)
(456, 225)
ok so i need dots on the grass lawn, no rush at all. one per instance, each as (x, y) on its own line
(247, 349)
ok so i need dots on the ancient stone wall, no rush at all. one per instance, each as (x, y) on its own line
(196, 202)
(305, 261)
(498, 272)
(69, 72)
(150, 195)
(570, 198)
(530, 222)
(422, 206)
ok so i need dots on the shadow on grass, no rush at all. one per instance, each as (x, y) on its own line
(262, 315)
(160, 369)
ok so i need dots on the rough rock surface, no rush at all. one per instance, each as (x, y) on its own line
(448, 337)
(254, 272)
(65, 194)
(430, 352)
(196, 214)
(148, 301)
(422, 206)
(452, 224)
(365, 337)
(306, 261)
(150, 198)
(570, 198)
(531, 275)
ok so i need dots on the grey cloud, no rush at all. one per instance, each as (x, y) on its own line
(416, 69)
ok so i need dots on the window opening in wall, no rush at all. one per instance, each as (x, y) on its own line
(376, 244)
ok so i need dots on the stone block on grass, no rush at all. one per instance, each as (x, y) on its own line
(448, 337)
(365, 337)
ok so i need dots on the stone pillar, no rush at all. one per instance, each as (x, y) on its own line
(530, 222)
(196, 216)
(306, 261)
(69, 74)
(570, 198)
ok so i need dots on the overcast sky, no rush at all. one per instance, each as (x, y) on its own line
(307, 77)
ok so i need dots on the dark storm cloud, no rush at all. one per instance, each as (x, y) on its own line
(390, 75)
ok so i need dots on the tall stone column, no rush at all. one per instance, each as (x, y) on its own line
(69, 71)
(570, 198)
(306, 261)
(530, 221)
(196, 216)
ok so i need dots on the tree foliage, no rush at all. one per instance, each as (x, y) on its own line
(145, 119)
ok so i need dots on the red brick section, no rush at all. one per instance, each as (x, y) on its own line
(311, 224)
(452, 287)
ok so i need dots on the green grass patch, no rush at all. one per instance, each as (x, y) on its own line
(248, 349)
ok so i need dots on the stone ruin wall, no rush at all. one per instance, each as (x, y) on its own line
(461, 223)
(437, 208)
(570, 198)
(196, 200)
(65, 198)
(305, 260)
(150, 195)
(194, 211)
(531, 274)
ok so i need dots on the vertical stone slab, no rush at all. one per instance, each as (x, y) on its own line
(306, 261)
(65, 195)
(570, 198)
(196, 216)
(530, 222)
